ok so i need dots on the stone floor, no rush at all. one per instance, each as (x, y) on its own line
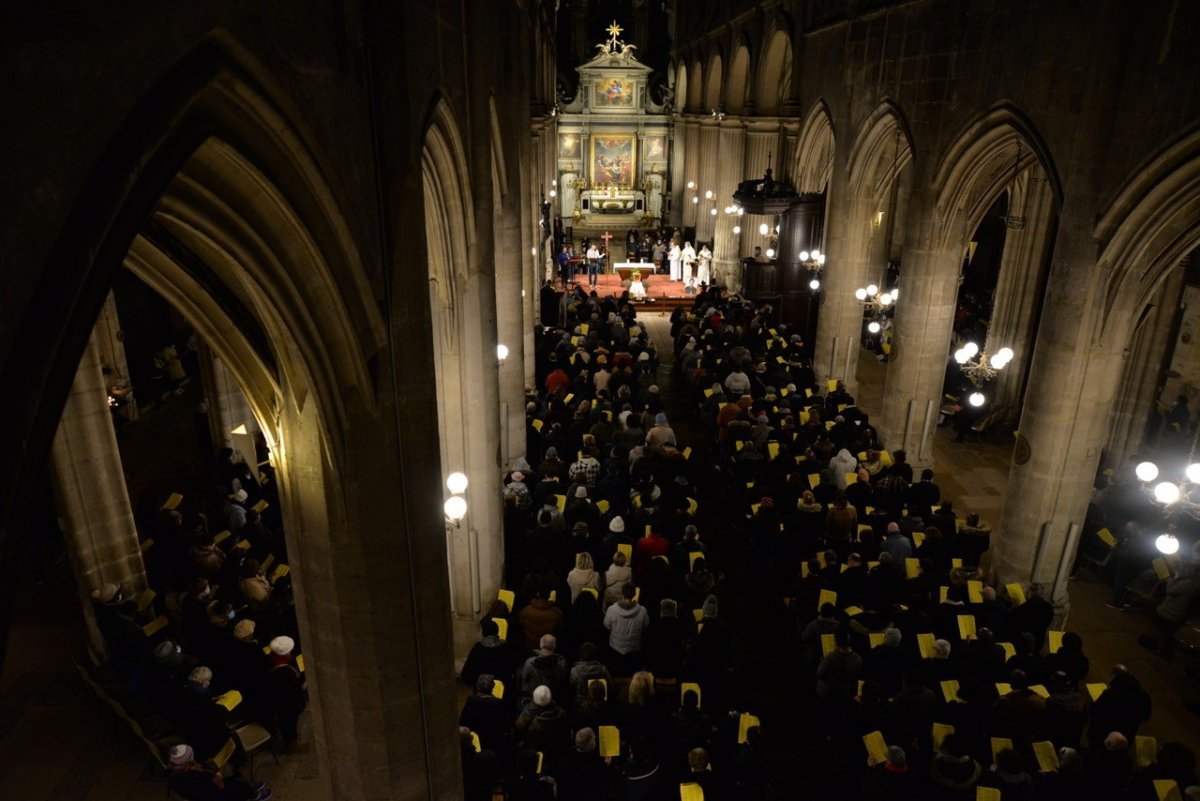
(57, 742)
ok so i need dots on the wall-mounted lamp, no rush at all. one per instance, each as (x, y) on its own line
(501, 355)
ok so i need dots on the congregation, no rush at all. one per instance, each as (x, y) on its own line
(206, 665)
(721, 585)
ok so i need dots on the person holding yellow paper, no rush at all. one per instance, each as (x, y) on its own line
(838, 673)
(1009, 775)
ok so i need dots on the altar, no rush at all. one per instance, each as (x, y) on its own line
(626, 269)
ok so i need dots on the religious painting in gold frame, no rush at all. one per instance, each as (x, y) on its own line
(613, 159)
(614, 93)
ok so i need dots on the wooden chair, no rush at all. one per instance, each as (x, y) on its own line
(252, 737)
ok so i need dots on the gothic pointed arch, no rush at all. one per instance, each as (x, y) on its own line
(1151, 224)
(813, 165)
(773, 80)
(737, 83)
(695, 86)
(883, 149)
(981, 162)
(713, 83)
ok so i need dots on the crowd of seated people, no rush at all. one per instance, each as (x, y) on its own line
(643, 566)
(213, 643)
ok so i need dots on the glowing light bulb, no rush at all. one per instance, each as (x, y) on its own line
(1167, 544)
(737, 229)
(455, 508)
(804, 255)
(695, 199)
(712, 212)
(814, 284)
(872, 289)
(457, 483)
(895, 290)
(860, 293)
(762, 229)
(960, 356)
(1006, 354)
(976, 399)
(691, 184)
(708, 194)
(1146, 471)
(1193, 473)
(553, 193)
(874, 327)
(770, 253)
(501, 354)
(885, 299)
(970, 349)
(1166, 492)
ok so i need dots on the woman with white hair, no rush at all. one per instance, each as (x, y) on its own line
(189, 779)
(584, 575)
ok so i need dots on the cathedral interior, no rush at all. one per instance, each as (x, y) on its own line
(358, 347)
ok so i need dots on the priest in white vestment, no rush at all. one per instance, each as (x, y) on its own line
(674, 257)
(689, 260)
(703, 260)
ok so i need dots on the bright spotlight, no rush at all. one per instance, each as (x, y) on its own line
(1146, 471)
(1166, 492)
(976, 399)
(457, 483)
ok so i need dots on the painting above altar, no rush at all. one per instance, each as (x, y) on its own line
(614, 93)
(613, 159)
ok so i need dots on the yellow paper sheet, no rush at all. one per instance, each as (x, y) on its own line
(687, 452)
(537, 424)
(940, 732)
(919, 538)
(1095, 690)
(154, 626)
(1010, 650)
(772, 449)
(745, 723)
(950, 691)
(1160, 568)
(875, 638)
(1000, 744)
(1039, 690)
(260, 507)
(222, 756)
(826, 597)
(172, 502)
(831, 384)
(498, 689)
(229, 700)
(691, 791)
(475, 742)
(943, 594)
(1054, 640)
(1167, 790)
(502, 625)
(912, 567)
(1107, 537)
(627, 549)
(221, 536)
(266, 563)
(508, 597)
(694, 687)
(592, 591)
(1145, 750)
(300, 662)
(876, 746)
(851, 478)
(828, 644)
(1016, 593)
(966, 627)
(987, 794)
(814, 479)
(975, 592)
(1003, 688)
(956, 563)
(925, 645)
(610, 741)
(146, 545)
(852, 611)
(1047, 756)
(540, 761)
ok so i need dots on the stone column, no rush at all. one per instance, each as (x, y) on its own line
(1142, 373)
(924, 324)
(1019, 286)
(678, 177)
(726, 264)
(511, 258)
(848, 236)
(691, 171)
(1076, 366)
(227, 404)
(92, 500)
(111, 342)
(710, 155)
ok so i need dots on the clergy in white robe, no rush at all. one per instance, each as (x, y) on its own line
(674, 257)
(703, 260)
(689, 260)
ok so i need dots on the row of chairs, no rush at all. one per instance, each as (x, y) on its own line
(156, 733)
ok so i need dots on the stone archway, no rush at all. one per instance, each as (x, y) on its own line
(738, 80)
(975, 170)
(774, 81)
(713, 85)
(211, 194)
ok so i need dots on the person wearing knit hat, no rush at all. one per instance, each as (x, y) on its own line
(189, 779)
(617, 525)
(282, 645)
(710, 608)
(284, 694)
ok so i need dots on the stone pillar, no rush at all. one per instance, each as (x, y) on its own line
(227, 404)
(848, 236)
(110, 339)
(1142, 374)
(1076, 366)
(92, 500)
(726, 264)
(924, 324)
(710, 155)
(678, 176)
(1019, 286)
(691, 171)
(511, 258)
